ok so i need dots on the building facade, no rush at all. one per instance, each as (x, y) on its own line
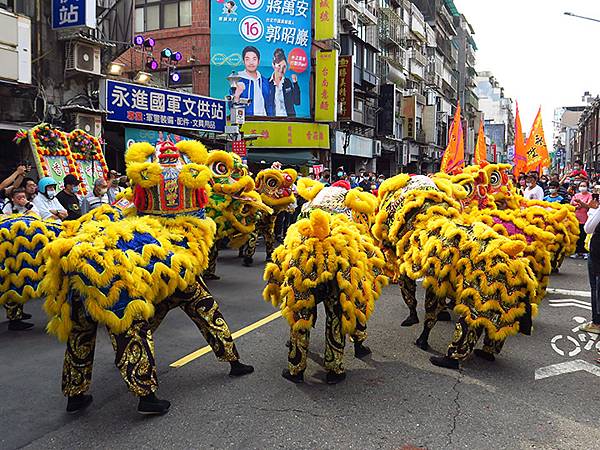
(409, 64)
(586, 142)
(566, 119)
(498, 116)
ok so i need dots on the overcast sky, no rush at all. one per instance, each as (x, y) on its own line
(539, 55)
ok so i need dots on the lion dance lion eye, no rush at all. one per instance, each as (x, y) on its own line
(219, 168)
(469, 188)
(272, 182)
(495, 178)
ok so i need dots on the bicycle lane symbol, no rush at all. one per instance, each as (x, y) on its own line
(572, 345)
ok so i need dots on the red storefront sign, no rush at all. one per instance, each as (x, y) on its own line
(345, 87)
(239, 148)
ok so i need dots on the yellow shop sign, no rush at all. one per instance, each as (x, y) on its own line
(288, 134)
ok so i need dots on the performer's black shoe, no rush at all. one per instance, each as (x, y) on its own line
(238, 369)
(484, 355)
(298, 378)
(288, 343)
(422, 343)
(211, 276)
(19, 325)
(444, 316)
(555, 270)
(444, 361)
(360, 350)
(25, 316)
(247, 261)
(335, 378)
(268, 260)
(78, 403)
(151, 405)
(410, 321)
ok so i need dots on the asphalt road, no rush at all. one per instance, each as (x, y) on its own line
(394, 398)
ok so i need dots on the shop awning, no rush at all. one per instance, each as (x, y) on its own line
(296, 157)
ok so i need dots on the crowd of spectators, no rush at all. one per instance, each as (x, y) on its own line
(21, 194)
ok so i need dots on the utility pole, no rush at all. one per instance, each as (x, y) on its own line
(581, 17)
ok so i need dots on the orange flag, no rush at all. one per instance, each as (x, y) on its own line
(454, 155)
(520, 159)
(480, 148)
(535, 148)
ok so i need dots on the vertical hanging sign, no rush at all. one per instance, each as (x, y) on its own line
(325, 19)
(326, 86)
(345, 87)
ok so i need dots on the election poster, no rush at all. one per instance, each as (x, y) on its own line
(266, 43)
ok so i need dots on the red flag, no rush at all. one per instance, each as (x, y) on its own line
(454, 155)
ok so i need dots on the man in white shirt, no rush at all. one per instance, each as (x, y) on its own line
(97, 197)
(533, 191)
(46, 202)
(19, 204)
(252, 85)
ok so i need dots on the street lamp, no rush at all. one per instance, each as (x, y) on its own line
(567, 13)
(233, 79)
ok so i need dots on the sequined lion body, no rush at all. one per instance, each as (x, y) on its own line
(327, 244)
(121, 267)
(421, 228)
(234, 203)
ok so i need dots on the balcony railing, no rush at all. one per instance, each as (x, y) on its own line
(366, 117)
(433, 78)
(419, 57)
(471, 99)
(352, 4)
(391, 27)
(372, 36)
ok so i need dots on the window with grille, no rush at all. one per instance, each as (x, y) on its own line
(158, 14)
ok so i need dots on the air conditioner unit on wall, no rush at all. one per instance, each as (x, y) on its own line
(83, 57)
(376, 148)
(350, 18)
(89, 123)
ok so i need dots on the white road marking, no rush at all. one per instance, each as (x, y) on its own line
(566, 367)
(585, 294)
(563, 302)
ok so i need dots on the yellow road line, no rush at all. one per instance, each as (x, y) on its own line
(204, 350)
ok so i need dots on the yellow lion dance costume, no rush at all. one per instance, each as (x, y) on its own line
(327, 256)
(127, 273)
(420, 228)
(234, 205)
(275, 188)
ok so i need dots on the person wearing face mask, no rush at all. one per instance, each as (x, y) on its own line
(46, 202)
(96, 198)
(581, 201)
(68, 197)
(340, 174)
(553, 193)
(578, 170)
(533, 191)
